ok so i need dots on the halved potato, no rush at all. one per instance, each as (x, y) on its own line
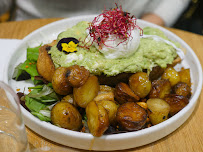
(45, 65)
(124, 94)
(160, 88)
(87, 92)
(176, 103)
(159, 110)
(59, 82)
(111, 109)
(105, 96)
(77, 75)
(65, 115)
(97, 119)
(140, 84)
(131, 116)
(69, 98)
(172, 75)
(182, 89)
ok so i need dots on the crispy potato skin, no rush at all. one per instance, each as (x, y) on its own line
(172, 75)
(77, 75)
(124, 94)
(131, 116)
(45, 65)
(87, 92)
(111, 109)
(182, 89)
(160, 88)
(140, 84)
(59, 82)
(97, 119)
(65, 115)
(185, 76)
(158, 110)
(176, 103)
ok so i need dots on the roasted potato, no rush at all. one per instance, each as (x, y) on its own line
(124, 94)
(140, 84)
(185, 76)
(111, 109)
(69, 98)
(65, 115)
(59, 82)
(182, 89)
(105, 96)
(131, 116)
(97, 119)
(87, 92)
(158, 110)
(176, 103)
(77, 75)
(160, 88)
(172, 75)
(45, 65)
(105, 88)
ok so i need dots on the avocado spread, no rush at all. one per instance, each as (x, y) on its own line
(150, 53)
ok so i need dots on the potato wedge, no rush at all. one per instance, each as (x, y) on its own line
(45, 65)
(87, 92)
(131, 116)
(176, 103)
(124, 94)
(97, 119)
(172, 75)
(65, 115)
(140, 84)
(159, 110)
(111, 109)
(77, 75)
(59, 82)
(160, 88)
(185, 76)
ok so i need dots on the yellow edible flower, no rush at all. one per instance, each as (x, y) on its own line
(70, 47)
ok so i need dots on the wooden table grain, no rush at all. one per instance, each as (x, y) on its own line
(187, 138)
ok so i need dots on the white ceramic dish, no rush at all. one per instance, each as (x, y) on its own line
(107, 142)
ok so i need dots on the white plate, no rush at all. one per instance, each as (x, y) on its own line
(107, 142)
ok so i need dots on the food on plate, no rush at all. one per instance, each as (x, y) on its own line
(59, 82)
(106, 76)
(45, 65)
(160, 88)
(123, 94)
(87, 92)
(65, 115)
(140, 84)
(97, 119)
(131, 116)
(158, 110)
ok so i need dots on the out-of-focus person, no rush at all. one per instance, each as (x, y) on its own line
(161, 12)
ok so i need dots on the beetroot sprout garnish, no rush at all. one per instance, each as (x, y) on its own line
(112, 22)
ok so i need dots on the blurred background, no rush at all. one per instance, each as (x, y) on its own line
(191, 20)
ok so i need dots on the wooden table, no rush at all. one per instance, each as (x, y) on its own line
(187, 138)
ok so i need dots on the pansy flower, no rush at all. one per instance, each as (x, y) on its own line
(68, 45)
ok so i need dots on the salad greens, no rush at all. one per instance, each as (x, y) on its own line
(28, 69)
(42, 96)
(39, 100)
